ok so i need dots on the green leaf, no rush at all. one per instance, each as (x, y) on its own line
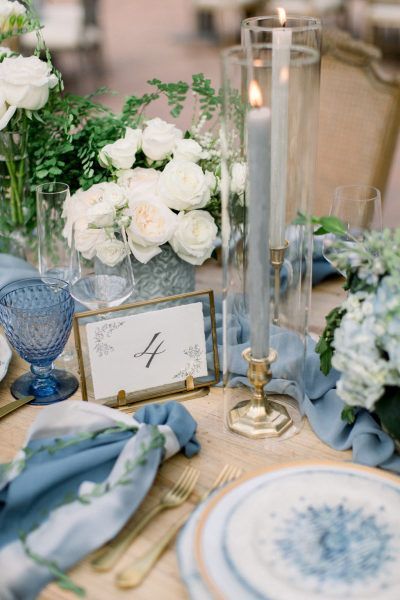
(301, 219)
(349, 414)
(388, 410)
(320, 231)
(333, 225)
(328, 224)
(325, 361)
(324, 346)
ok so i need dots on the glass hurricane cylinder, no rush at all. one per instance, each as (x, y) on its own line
(261, 200)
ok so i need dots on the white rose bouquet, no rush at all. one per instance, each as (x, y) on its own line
(165, 184)
(362, 336)
(162, 172)
(25, 85)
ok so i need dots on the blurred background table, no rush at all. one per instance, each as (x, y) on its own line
(123, 44)
(219, 447)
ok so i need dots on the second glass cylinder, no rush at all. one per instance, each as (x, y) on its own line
(270, 119)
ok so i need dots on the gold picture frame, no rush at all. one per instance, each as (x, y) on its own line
(128, 401)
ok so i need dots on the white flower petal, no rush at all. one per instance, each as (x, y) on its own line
(7, 116)
(141, 253)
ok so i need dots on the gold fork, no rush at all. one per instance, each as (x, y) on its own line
(107, 557)
(134, 574)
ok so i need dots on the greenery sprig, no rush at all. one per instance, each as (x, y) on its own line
(324, 346)
(62, 579)
(61, 444)
(324, 225)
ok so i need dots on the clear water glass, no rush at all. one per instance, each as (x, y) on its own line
(102, 285)
(56, 258)
(360, 209)
(37, 318)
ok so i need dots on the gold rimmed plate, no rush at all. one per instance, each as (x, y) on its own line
(303, 532)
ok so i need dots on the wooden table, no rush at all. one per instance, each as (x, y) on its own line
(219, 447)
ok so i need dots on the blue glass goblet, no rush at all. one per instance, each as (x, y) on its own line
(37, 318)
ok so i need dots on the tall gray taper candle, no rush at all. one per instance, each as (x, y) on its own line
(259, 169)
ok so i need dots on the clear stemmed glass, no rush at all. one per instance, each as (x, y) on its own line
(360, 209)
(106, 279)
(37, 318)
(55, 257)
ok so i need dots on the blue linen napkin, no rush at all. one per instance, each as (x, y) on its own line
(70, 498)
(319, 402)
(13, 268)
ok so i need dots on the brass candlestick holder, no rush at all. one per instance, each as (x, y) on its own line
(260, 416)
(277, 256)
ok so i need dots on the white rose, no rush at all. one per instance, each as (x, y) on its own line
(114, 194)
(139, 181)
(101, 214)
(95, 205)
(183, 185)
(188, 150)
(87, 240)
(238, 178)
(122, 153)
(159, 139)
(10, 9)
(111, 252)
(91, 196)
(194, 237)
(75, 207)
(18, 8)
(25, 82)
(6, 9)
(152, 225)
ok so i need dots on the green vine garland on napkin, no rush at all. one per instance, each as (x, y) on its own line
(157, 441)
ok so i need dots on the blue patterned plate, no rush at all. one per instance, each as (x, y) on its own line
(304, 532)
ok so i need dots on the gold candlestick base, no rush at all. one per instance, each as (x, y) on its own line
(259, 417)
(277, 257)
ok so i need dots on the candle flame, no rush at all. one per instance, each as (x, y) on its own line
(281, 16)
(255, 95)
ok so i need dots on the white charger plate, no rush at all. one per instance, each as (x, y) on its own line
(303, 532)
(5, 356)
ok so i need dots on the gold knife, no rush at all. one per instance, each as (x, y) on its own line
(11, 406)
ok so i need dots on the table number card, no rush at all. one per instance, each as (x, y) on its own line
(146, 350)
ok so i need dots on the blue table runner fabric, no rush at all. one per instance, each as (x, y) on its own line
(321, 403)
(12, 267)
(39, 498)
